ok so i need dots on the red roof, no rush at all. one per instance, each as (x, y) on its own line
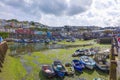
(24, 31)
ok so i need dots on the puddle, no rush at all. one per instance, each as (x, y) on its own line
(36, 62)
(27, 68)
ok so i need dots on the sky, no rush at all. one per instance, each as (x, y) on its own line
(63, 12)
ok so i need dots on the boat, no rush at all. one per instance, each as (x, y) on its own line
(59, 68)
(81, 79)
(88, 52)
(69, 68)
(35, 40)
(93, 52)
(101, 62)
(87, 61)
(47, 70)
(47, 41)
(68, 40)
(77, 65)
(98, 79)
(19, 40)
(78, 52)
(54, 42)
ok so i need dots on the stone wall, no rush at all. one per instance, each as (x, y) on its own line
(3, 50)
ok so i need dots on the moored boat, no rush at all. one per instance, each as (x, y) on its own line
(87, 61)
(69, 68)
(101, 62)
(78, 52)
(59, 68)
(77, 65)
(47, 70)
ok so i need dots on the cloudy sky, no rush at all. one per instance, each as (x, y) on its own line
(63, 12)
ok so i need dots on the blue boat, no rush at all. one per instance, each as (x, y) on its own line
(78, 65)
(19, 40)
(87, 61)
(59, 68)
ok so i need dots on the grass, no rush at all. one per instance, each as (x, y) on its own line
(77, 42)
(14, 69)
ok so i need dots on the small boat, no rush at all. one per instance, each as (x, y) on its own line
(47, 41)
(88, 52)
(68, 40)
(87, 61)
(19, 40)
(101, 62)
(69, 68)
(48, 71)
(98, 79)
(81, 79)
(59, 68)
(78, 52)
(77, 65)
(54, 42)
(93, 52)
(42, 40)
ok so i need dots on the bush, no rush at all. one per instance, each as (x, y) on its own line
(4, 34)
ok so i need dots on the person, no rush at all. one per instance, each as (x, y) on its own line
(1, 39)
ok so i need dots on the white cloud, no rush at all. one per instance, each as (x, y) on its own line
(63, 12)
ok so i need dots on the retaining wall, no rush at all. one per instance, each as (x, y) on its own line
(3, 50)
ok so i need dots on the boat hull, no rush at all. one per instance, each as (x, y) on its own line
(102, 67)
(90, 66)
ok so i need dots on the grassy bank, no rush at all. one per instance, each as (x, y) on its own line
(12, 69)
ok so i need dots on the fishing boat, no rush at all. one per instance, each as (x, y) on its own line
(47, 70)
(69, 68)
(87, 61)
(77, 65)
(59, 68)
(101, 62)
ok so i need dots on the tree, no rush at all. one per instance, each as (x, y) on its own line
(13, 20)
(4, 34)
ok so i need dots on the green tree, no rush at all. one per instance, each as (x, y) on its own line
(4, 34)
(13, 20)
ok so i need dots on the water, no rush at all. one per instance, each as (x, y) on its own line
(17, 49)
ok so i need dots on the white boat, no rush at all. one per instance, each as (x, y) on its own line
(87, 61)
